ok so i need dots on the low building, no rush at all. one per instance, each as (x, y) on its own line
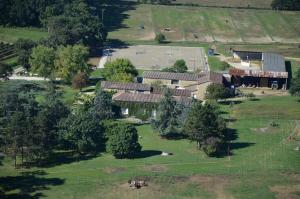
(266, 70)
(171, 80)
(125, 87)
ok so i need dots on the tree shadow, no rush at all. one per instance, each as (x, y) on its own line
(29, 184)
(228, 147)
(230, 102)
(146, 154)
(65, 157)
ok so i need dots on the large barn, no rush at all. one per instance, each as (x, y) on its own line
(259, 69)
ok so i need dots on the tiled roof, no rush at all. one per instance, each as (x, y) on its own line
(175, 92)
(211, 77)
(170, 76)
(200, 78)
(137, 97)
(147, 98)
(125, 86)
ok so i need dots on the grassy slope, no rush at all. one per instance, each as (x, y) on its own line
(210, 24)
(264, 158)
(13, 34)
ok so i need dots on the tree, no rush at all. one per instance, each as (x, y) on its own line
(102, 107)
(72, 60)
(42, 61)
(120, 70)
(205, 126)
(18, 112)
(82, 132)
(217, 91)
(5, 70)
(286, 4)
(122, 140)
(79, 81)
(180, 66)
(167, 123)
(47, 122)
(23, 48)
(295, 85)
(160, 38)
(76, 23)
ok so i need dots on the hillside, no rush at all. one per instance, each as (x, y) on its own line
(184, 23)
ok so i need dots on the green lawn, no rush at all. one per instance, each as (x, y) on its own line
(13, 34)
(263, 163)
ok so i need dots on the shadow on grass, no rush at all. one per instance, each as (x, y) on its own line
(230, 102)
(29, 185)
(147, 154)
(65, 157)
(228, 147)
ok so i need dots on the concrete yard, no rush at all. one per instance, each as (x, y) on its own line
(150, 57)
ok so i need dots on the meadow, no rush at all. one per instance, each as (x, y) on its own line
(262, 163)
(186, 23)
(11, 35)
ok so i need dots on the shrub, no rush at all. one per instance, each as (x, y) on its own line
(250, 96)
(160, 38)
(217, 91)
(122, 140)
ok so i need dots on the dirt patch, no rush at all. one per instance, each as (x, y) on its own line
(265, 130)
(112, 170)
(156, 168)
(283, 192)
(216, 184)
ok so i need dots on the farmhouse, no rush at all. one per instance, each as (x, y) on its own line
(258, 69)
(195, 83)
(125, 87)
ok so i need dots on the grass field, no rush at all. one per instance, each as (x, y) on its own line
(13, 34)
(263, 163)
(207, 24)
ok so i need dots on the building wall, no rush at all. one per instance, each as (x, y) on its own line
(201, 89)
(165, 82)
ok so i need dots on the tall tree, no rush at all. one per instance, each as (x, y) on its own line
(102, 108)
(72, 60)
(295, 85)
(205, 126)
(42, 61)
(120, 70)
(180, 66)
(168, 112)
(23, 48)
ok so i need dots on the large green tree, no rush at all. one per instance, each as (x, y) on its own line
(72, 60)
(205, 126)
(295, 85)
(42, 61)
(167, 121)
(120, 70)
(82, 132)
(122, 140)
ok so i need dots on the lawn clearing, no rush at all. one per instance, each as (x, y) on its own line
(260, 165)
(13, 34)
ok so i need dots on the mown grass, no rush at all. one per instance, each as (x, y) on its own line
(259, 161)
(13, 34)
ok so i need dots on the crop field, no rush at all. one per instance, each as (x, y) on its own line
(185, 23)
(262, 164)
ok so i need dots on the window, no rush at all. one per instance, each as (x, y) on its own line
(174, 81)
